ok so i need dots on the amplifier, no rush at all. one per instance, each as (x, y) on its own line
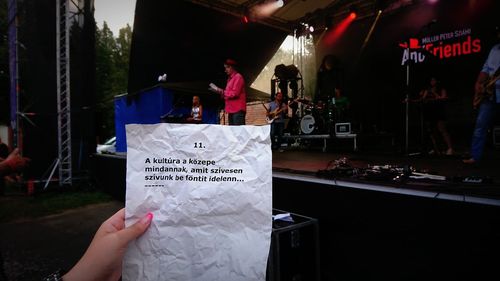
(342, 128)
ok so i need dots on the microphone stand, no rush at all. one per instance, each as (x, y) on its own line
(407, 105)
(163, 118)
(407, 99)
(407, 96)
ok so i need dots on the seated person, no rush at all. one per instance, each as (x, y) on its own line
(196, 111)
(276, 113)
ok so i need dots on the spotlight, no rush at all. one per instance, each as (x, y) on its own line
(304, 29)
(265, 8)
(353, 11)
(335, 33)
(246, 15)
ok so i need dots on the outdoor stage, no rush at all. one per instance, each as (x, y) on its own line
(380, 230)
(384, 230)
(305, 164)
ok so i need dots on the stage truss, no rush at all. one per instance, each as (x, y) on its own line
(63, 93)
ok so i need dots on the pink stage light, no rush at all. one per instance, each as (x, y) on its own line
(334, 34)
(267, 9)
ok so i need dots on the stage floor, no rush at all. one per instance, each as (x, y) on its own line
(304, 164)
(307, 163)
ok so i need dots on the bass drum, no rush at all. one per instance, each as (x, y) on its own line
(307, 124)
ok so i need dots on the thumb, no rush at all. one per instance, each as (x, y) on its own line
(137, 229)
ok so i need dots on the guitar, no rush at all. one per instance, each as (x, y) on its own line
(273, 115)
(489, 89)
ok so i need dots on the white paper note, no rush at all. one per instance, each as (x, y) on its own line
(209, 188)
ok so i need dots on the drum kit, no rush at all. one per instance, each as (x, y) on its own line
(315, 118)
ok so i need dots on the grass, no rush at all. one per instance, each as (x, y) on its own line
(15, 206)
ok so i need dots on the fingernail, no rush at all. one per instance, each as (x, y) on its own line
(147, 219)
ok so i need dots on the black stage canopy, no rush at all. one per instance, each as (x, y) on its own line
(190, 42)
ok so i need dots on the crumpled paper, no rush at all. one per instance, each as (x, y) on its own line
(209, 188)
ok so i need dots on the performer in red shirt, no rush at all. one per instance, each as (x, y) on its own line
(234, 94)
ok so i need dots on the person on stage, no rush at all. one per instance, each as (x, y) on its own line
(327, 94)
(328, 81)
(488, 101)
(234, 94)
(434, 109)
(276, 113)
(196, 111)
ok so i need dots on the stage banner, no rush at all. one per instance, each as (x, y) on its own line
(12, 31)
(209, 188)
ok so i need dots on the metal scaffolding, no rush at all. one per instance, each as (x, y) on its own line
(63, 92)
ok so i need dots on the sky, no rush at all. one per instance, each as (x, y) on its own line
(117, 13)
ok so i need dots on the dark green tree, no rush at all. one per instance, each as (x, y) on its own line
(121, 56)
(112, 64)
(105, 68)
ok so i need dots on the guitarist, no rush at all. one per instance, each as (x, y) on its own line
(489, 103)
(276, 112)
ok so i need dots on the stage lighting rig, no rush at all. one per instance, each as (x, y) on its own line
(310, 27)
(288, 72)
(304, 29)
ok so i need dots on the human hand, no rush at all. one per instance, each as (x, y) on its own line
(15, 162)
(214, 88)
(103, 258)
(479, 88)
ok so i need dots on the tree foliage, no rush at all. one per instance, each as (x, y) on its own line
(112, 64)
